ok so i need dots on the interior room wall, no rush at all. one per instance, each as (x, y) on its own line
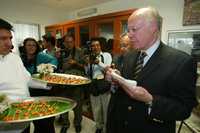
(170, 10)
(18, 12)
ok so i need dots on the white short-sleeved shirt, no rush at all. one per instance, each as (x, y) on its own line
(14, 77)
(14, 80)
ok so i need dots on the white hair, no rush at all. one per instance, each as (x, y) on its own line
(150, 14)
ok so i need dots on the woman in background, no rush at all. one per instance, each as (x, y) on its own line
(32, 57)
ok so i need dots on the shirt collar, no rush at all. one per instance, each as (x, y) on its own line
(4, 56)
(1, 56)
(101, 53)
(153, 48)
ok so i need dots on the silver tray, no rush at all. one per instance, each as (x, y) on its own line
(71, 104)
(86, 80)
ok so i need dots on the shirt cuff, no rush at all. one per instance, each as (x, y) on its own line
(149, 104)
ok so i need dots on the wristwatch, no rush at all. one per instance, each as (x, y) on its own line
(149, 104)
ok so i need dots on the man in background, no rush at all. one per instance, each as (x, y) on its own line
(100, 94)
(71, 62)
(124, 48)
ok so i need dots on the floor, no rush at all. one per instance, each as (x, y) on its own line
(88, 126)
(184, 129)
(193, 123)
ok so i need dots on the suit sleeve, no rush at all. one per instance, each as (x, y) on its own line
(181, 98)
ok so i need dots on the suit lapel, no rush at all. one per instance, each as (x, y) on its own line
(153, 63)
(129, 62)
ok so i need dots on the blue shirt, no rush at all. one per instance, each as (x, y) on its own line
(42, 58)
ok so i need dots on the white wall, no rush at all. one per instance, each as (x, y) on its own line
(16, 11)
(170, 10)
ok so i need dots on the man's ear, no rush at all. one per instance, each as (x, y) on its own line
(154, 27)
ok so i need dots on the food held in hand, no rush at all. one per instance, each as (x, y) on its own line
(121, 80)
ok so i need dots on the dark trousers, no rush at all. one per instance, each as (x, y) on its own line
(43, 125)
(26, 130)
(75, 93)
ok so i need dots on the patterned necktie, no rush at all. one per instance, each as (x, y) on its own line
(139, 64)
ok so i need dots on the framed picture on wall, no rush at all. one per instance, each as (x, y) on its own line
(191, 15)
(185, 40)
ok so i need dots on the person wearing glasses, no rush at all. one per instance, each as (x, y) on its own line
(166, 79)
(71, 63)
(124, 48)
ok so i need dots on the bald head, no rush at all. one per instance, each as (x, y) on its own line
(150, 14)
(144, 28)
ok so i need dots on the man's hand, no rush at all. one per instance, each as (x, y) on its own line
(72, 62)
(58, 53)
(86, 59)
(108, 74)
(96, 61)
(139, 93)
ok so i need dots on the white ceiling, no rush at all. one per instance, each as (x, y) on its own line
(43, 11)
(64, 5)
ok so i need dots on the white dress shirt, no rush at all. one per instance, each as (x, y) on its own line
(14, 76)
(14, 80)
(150, 51)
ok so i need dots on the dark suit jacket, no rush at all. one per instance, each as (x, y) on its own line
(170, 76)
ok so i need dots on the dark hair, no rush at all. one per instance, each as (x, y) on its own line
(109, 45)
(69, 35)
(23, 53)
(59, 43)
(49, 38)
(94, 39)
(5, 25)
(37, 44)
(101, 40)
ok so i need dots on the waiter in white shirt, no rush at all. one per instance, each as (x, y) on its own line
(14, 78)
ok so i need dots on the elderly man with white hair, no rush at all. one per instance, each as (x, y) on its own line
(166, 79)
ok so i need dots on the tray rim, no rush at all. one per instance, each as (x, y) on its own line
(62, 74)
(47, 98)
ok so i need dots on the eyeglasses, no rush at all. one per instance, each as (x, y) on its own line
(69, 41)
(31, 45)
(123, 45)
(134, 29)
